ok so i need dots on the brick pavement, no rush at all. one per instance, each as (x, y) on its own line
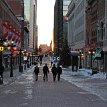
(49, 94)
(58, 94)
(6, 75)
(62, 94)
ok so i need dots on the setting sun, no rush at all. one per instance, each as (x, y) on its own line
(45, 18)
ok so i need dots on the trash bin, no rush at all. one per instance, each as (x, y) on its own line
(20, 68)
(94, 71)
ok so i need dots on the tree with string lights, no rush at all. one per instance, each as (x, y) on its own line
(65, 56)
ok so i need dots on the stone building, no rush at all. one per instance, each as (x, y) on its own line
(77, 26)
(10, 30)
(95, 33)
(17, 7)
(58, 26)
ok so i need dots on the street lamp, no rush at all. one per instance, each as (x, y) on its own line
(32, 58)
(20, 61)
(11, 47)
(11, 66)
(80, 66)
(1, 50)
(1, 66)
(91, 52)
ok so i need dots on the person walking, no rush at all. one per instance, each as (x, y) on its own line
(1, 74)
(45, 72)
(51, 60)
(54, 72)
(36, 71)
(59, 71)
(41, 57)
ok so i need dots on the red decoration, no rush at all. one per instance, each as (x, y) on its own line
(19, 41)
(9, 37)
(6, 23)
(14, 38)
(5, 35)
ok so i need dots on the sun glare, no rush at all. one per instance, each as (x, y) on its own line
(45, 19)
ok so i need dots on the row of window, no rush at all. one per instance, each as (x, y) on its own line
(79, 22)
(79, 8)
(5, 15)
(79, 36)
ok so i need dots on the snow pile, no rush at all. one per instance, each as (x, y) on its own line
(85, 72)
(100, 75)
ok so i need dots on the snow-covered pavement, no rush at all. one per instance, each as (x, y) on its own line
(95, 84)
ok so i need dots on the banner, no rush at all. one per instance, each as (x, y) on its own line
(5, 28)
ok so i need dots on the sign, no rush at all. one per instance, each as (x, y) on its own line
(25, 58)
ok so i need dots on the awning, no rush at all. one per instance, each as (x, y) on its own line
(75, 53)
(99, 55)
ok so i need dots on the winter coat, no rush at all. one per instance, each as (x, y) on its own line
(1, 70)
(36, 70)
(45, 69)
(54, 70)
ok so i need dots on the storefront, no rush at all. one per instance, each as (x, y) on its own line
(99, 59)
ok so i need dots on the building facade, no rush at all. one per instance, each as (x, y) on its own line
(27, 9)
(76, 25)
(105, 39)
(95, 32)
(17, 6)
(26, 35)
(33, 37)
(58, 26)
(65, 18)
(10, 29)
(65, 6)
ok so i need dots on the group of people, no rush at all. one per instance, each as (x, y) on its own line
(56, 71)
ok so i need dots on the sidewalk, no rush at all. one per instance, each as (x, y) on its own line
(26, 92)
(95, 84)
(8, 80)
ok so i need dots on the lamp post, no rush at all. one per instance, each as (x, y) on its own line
(28, 60)
(1, 50)
(80, 66)
(91, 52)
(20, 61)
(11, 66)
(1, 66)
(32, 59)
(11, 47)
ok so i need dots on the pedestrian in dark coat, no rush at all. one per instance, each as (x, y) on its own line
(1, 71)
(41, 57)
(36, 71)
(45, 72)
(54, 72)
(1, 74)
(59, 71)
